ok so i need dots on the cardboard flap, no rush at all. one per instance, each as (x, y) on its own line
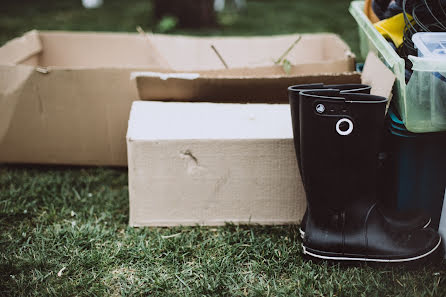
(212, 53)
(82, 50)
(12, 80)
(197, 87)
(20, 49)
(276, 70)
(378, 76)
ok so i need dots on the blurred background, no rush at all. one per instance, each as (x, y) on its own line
(195, 17)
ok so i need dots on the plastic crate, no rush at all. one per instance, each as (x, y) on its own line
(414, 100)
(430, 44)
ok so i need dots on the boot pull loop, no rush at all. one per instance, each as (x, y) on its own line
(344, 127)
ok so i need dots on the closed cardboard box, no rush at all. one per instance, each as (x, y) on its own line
(208, 163)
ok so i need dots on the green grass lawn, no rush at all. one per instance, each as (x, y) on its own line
(64, 229)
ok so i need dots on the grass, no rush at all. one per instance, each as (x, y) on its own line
(75, 219)
(63, 230)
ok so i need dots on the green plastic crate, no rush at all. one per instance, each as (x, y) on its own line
(415, 100)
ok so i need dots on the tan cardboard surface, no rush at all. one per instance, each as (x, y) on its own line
(97, 50)
(11, 87)
(65, 97)
(64, 125)
(20, 49)
(378, 76)
(214, 163)
(252, 52)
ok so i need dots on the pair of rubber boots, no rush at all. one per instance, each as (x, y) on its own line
(337, 132)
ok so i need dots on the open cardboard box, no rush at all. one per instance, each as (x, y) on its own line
(252, 74)
(65, 97)
(212, 163)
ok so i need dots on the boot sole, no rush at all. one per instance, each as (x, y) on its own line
(302, 232)
(340, 257)
(428, 223)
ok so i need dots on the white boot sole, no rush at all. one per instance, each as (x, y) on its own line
(428, 223)
(363, 259)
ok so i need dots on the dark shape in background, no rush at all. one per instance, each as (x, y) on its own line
(189, 13)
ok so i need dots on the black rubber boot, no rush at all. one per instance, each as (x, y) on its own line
(293, 95)
(339, 140)
(404, 220)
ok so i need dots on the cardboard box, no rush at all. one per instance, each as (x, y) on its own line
(65, 97)
(210, 163)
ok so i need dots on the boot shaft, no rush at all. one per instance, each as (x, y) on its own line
(339, 142)
(293, 95)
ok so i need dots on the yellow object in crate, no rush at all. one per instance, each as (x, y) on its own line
(393, 28)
